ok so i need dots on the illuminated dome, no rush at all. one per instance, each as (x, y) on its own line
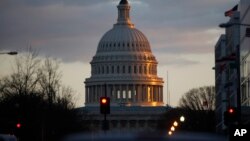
(124, 66)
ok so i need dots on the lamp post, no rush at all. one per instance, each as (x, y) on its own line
(227, 25)
(10, 53)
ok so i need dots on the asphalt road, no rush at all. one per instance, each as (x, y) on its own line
(181, 136)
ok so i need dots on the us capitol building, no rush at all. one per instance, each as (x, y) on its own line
(126, 69)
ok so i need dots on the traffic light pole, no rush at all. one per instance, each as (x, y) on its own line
(105, 123)
(105, 108)
(105, 94)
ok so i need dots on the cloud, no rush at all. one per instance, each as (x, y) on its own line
(182, 34)
(42, 3)
(71, 29)
(174, 60)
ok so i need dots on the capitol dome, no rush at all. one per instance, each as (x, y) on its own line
(122, 36)
(124, 67)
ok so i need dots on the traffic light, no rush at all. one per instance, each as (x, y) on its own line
(230, 116)
(18, 125)
(18, 129)
(105, 105)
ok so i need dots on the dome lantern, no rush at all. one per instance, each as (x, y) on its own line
(123, 2)
(124, 14)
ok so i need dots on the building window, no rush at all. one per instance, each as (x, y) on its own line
(152, 69)
(118, 69)
(149, 71)
(135, 69)
(107, 69)
(102, 69)
(123, 69)
(118, 94)
(155, 69)
(145, 69)
(149, 94)
(123, 94)
(140, 69)
(129, 69)
(113, 69)
(129, 94)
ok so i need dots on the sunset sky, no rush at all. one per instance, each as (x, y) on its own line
(182, 34)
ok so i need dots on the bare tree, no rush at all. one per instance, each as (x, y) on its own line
(24, 78)
(202, 98)
(50, 79)
(32, 74)
(34, 95)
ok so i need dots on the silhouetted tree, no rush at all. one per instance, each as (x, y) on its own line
(34, 75)
(202, 98)
(25, 76)
(34, 95)
(50, 79)
(39, 119)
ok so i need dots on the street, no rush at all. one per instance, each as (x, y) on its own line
(178, 136)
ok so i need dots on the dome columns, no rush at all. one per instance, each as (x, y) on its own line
(126, 94)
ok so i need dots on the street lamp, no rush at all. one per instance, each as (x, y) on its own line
(172, 128)
(182, 118)
(175, 124)
(10, 53)
(229, 24)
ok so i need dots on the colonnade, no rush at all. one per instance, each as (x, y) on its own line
(124, 93)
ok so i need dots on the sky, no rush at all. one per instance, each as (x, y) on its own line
(182, 35)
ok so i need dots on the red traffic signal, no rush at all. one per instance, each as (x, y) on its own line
(231, 110)
(104, 100)
(230, 116)
(104, 105)
(18, 125)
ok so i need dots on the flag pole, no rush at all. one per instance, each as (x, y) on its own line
(168, 95)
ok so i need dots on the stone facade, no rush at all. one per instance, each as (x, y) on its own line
(125, 118)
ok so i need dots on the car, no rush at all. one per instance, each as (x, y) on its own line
(7, 137)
